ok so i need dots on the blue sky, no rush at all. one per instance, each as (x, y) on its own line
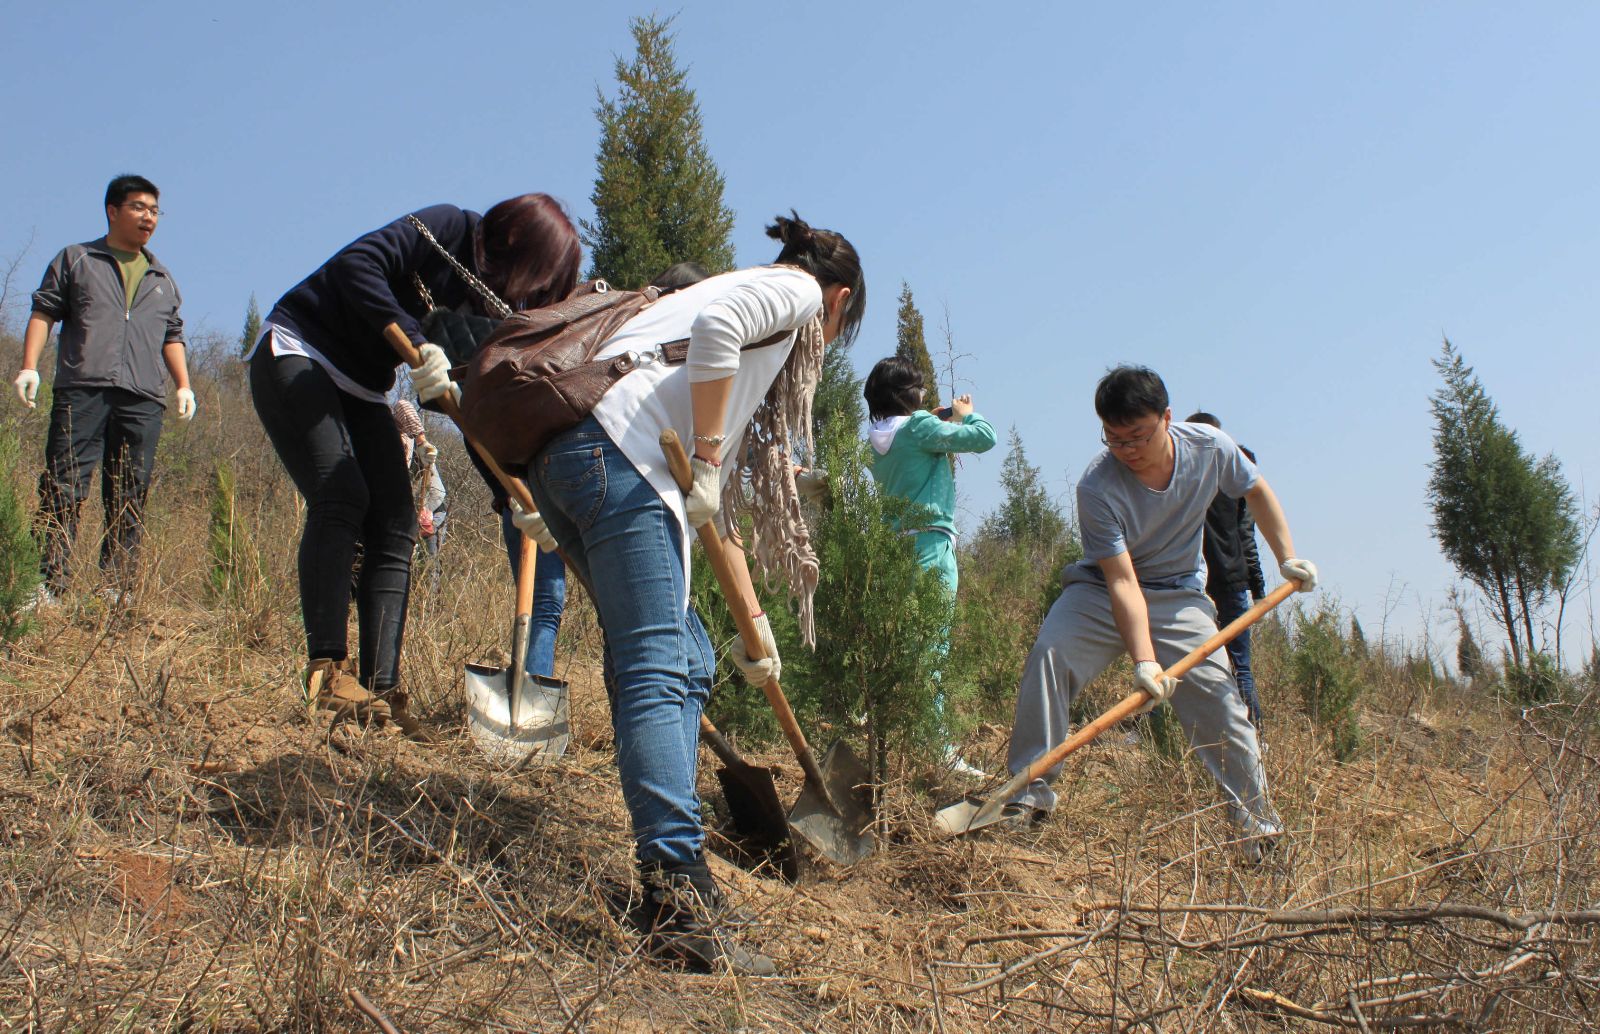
(1281, 208)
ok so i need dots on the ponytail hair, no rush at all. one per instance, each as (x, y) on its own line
(828, 257)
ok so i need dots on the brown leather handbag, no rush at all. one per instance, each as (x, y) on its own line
(536, 377)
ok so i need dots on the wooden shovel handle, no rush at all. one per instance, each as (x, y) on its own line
(412, 357)
(678, 464)
(1137, 699)
(527, 560)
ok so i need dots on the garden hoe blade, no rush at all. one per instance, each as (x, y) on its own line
(830, 813)
(753, 805)
(515, 718)
(834, 812)
(974, 813)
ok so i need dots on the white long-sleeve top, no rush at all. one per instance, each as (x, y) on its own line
(719, 316)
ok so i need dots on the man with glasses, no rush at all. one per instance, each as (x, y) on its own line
(120, 332)
(1140, 589)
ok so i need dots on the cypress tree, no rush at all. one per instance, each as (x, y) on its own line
(1507, 521)
(657, 193)
(1469, 659)
(252, 326)
(910, 343)
(1027, 516)
(19, 554)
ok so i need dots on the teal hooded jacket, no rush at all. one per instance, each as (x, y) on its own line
(910, 460)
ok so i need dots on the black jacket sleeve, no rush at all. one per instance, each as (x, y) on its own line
(370, 269)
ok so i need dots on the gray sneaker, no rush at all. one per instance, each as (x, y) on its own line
(1023, 818)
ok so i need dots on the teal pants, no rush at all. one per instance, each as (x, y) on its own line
(937, 551)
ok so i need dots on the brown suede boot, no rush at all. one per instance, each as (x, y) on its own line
(400, 714)
(332, 686)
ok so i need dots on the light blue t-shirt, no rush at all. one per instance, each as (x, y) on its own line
(1162, 532)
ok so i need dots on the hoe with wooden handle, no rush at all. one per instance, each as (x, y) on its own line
(832, 813)
(975, 813)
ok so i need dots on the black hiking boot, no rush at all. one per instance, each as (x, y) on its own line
(685, 919)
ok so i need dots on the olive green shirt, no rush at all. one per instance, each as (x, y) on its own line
(134, 266)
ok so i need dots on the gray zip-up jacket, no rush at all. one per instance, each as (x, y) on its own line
(105, 343)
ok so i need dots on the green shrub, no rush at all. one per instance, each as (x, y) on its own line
(19, 554)
(1538, 682)
(1327, 669)
(880, 618)
(236, 577)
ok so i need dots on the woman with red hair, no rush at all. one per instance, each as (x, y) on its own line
(319, 376)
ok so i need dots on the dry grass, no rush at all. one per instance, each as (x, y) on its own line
(183, 848)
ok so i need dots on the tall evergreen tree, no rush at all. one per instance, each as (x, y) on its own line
(838, 392)
(1507, 521)
(1028, 516)
(657, 193)
(910, 343)
(252, 326)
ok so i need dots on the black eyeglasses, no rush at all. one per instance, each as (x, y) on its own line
(140, 208)
(1130, 443)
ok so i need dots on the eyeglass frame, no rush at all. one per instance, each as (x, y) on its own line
(140, 208)
(1132, 443)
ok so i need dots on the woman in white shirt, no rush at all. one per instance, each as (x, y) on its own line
(743, 397)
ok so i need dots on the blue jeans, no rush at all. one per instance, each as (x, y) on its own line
(549, 599)
(624, 542)
(1229, 606)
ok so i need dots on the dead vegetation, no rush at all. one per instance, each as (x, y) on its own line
(185, 849)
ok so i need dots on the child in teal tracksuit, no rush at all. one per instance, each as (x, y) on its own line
(910, 458)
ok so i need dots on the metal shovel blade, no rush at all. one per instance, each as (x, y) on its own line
(541, 729)
(843, 837)
(970, 813)
(756, 814)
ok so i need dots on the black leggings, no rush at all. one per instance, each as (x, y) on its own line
(346, 459)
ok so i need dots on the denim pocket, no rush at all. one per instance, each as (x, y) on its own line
(573, 472)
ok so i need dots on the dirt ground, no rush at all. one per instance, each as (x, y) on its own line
(185, 848)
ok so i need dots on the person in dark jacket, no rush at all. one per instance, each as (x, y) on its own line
(319, 377)
(120, 334)
(1233, 575)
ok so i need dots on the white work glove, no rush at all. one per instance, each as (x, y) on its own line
(1296, 570)
(432, 378)
(705, 495)
(185, 404)
(812, 484)
(1147, 676)
(430, 452)
(758, 673)
(27, 383)
(532, 525)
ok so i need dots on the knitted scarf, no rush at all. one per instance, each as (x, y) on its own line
(763, 483)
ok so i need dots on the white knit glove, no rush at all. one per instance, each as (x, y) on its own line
(27, 383)
(705, 495)
(758, 673)
(432, 378)
(1296, 570)
(532, 525)
(430, 452)
(1147, 676)
(185, 404)
(812, 484)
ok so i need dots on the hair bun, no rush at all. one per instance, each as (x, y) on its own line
(792, 230)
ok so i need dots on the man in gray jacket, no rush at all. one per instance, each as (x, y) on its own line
(118, 310)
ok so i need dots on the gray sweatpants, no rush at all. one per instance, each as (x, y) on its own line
(1079, 640)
